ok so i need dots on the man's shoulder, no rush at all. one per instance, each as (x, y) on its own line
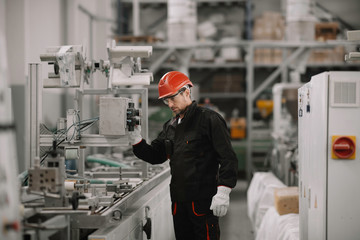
(208, 112)
(167, 123)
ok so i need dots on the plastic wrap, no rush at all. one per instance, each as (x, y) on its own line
(276, 227)
(260, 196)
(266, 201)
(253, 194)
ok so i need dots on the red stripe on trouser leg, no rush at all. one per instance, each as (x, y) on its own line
(207, 232)
(196, 214)
(174, 212)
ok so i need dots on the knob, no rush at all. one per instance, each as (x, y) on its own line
(343, 147)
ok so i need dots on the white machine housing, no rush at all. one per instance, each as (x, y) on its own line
(284, 133)
(125, 65)
(69, 62)
(328, 107)
(113, 115)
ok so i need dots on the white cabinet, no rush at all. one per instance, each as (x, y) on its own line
(329, 162)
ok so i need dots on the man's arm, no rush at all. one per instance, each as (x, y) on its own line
(220, 138)
(154, 153)
(228, 165)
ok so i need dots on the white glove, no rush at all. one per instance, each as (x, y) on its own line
(220, 202)
(135, 136)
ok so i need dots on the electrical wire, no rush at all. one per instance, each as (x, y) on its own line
(80, 126)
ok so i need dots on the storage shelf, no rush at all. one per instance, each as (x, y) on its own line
(201, 65)
(256, 44)
(311, 65)
(224, 95)
(198, 1)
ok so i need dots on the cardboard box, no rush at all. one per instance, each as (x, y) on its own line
(326, 31)
(287, 200)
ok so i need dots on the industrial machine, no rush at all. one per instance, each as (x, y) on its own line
(283, 159)
(73, 191)
(329, 160)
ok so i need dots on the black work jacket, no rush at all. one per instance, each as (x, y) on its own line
(200, 143)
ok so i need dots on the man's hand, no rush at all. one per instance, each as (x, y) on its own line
(135, 136)
(220, 202)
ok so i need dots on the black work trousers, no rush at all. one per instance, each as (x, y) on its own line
(195, 221)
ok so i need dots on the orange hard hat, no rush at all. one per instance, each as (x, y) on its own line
(171, 83)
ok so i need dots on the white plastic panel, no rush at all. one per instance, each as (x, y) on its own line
(312, 157)
(303, 149)
(330, 209)
(317, 155)
(113, 115)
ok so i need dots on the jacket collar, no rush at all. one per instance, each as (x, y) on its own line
(188, 113)
(190, 110)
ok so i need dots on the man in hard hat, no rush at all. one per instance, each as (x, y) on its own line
(203, 163)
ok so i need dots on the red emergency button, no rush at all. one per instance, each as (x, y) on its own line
(344, 147)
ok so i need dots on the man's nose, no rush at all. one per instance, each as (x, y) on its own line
(170, 104)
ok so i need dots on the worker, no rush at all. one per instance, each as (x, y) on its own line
(202, 161)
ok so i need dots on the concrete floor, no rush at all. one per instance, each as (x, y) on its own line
(236, 224)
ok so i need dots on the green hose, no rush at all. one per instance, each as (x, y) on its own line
(97, 181)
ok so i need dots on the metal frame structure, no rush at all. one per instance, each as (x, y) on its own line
(91, 140)
(96, 204)
(35, 112)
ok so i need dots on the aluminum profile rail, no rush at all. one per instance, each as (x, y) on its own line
(81, 219)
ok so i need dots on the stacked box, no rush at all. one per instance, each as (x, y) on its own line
(302, 30)
(206, 29)
(300, 24)
(268, 55)
(297, 9)
(230, 53)
(327, 55)
(204, 54)
(277, 56)
(269, 26)
(326, 31)
(226, 82)
(181, 32)
(287, 200)
(182, 21)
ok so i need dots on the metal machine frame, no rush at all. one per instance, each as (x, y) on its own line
(110, 210)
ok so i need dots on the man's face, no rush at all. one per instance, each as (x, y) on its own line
(179, 102)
